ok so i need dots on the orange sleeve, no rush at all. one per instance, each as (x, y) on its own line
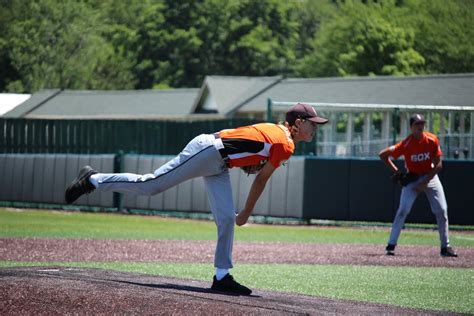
(278, 154)
(396, 150)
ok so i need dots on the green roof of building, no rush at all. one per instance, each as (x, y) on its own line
(107, 104)
(226, 94)
(440, 90)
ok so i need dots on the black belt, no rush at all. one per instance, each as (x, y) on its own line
(223, 152)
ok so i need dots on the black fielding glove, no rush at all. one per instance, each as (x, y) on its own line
(396, 177)
(404, 179)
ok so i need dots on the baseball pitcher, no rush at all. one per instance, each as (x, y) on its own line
(260, 148)
(423, 162)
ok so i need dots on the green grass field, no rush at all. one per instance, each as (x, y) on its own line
(446, 289)
(55, 224)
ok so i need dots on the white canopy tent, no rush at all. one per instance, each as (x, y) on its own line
(8, 101)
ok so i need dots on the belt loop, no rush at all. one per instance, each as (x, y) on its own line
(219, 145)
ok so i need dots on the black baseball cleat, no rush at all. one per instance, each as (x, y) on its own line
(448, 252)
(80, 185)
(390, 250)
(229, 285)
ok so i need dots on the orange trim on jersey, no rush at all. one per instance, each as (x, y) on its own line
(250, 145)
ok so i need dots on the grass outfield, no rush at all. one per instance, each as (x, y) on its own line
(444, 289)
(54, 224)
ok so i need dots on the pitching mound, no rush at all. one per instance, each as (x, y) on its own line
(83, 250)
(60, 290)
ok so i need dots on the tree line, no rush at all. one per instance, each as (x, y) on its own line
(131, 44)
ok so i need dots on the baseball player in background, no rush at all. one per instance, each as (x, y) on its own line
(422, 154)
(259, 148)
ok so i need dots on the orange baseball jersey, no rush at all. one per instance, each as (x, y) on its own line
(250, 145)
(418, 154)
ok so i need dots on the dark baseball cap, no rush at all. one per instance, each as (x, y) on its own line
(416, 118)
(304, 111)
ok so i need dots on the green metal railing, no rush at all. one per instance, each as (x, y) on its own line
(105, 136)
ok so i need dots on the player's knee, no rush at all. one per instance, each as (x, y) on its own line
(440, 209)
(155, 190)
(403, 212)
(441, 212)
(227, 219)
(444, 209)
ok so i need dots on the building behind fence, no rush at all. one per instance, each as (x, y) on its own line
(363, 130)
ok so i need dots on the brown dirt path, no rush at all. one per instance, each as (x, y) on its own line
(59, 291)
(70, 250)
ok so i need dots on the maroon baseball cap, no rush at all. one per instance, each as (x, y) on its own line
(416, 118)
(304, 111)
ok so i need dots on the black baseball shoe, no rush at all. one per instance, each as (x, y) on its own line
(229, 285)
(448, 252)
(390, 250)
(80, 185)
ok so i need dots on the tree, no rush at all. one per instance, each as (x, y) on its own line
(107, 44)
(183, 41)
(8, 73)
(444, 33)
(131, 27)
(261, 38)
(59, 45)
(360, 41)
(309, 16)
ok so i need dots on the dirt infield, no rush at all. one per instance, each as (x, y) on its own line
(70, 250)
(59, 290)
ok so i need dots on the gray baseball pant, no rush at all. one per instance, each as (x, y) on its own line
(200, 158)
(435, 194)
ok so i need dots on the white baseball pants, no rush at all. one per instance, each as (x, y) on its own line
(200, 158)
(435, 194)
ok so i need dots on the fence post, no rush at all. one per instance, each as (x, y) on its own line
(269, 110)
(367, 128)
(349, 133)
(471, 135)
(118, 168)
(2, 135)
(395, 122)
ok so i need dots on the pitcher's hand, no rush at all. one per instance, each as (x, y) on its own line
(241, 218)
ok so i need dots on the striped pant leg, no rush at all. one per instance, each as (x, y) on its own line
(199, 158)
(439, 207)
(219, 192)
(407, 198)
